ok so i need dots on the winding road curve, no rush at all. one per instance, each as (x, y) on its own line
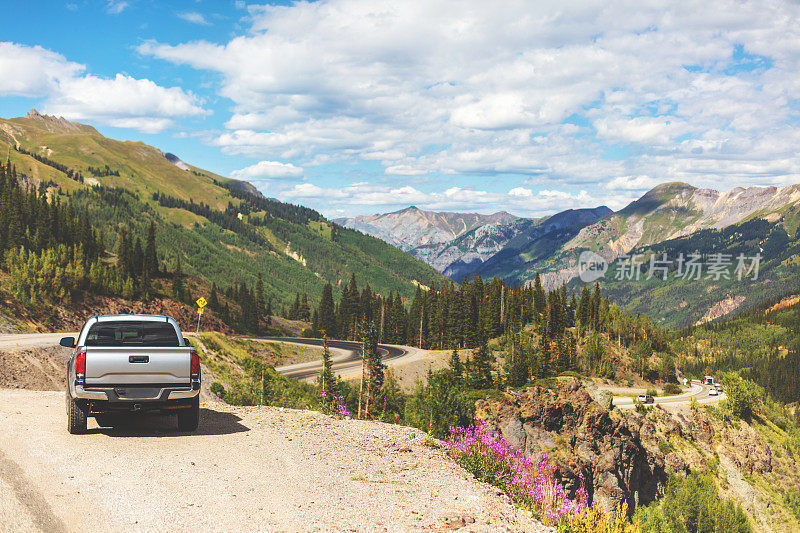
(699, 392)
(346, 359)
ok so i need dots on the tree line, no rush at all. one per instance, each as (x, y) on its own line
(71, 174)
(465, 315)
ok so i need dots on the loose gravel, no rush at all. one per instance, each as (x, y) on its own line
(245, 469)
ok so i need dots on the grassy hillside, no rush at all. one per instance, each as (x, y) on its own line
(222, 230)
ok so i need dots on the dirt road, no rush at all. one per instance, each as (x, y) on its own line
(246, 469)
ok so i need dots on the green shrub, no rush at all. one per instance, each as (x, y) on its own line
(672, 388)
(652, 392)
(692, 504)
(665, 447)
(743, 396)
(218, 389)
(791, 499)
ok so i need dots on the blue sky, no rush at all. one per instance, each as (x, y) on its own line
(356, 106)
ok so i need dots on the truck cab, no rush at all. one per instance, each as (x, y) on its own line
(129, 364)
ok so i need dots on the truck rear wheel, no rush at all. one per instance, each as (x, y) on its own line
(189, 419)
(77, 412)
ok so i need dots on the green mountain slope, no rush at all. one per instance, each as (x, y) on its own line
(678, 301)
(221, 229)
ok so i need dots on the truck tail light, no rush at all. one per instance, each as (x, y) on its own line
(80, 365)
(194, 367)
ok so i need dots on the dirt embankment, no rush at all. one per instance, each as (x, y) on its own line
(36, 368)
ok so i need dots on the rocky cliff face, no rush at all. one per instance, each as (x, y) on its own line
(584, 439)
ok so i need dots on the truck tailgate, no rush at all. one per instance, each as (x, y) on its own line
(137, 366)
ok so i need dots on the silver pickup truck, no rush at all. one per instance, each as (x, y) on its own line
(131, 363)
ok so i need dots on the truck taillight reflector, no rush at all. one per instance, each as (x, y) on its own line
(194, 369)
(80, 365)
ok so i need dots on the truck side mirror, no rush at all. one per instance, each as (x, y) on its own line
(186, 342)
(67, 342)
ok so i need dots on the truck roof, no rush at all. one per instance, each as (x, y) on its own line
(119, 318)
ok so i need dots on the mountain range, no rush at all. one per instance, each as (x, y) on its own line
(222, 230)
(670, 217)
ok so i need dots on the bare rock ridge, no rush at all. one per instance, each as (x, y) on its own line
(677, 209)
(582, 438)
(412, 227)
(53, 123)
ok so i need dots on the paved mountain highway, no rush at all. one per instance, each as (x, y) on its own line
(348, 359)
(699, 392)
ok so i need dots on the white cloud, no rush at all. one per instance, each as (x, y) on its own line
(120, 98)
(121, 101)
(268, 170)
(115, 7)
(32, 70)
(405, 170)
(520, 192)
(460, 87)
(519, 200)
(655, 131)
(632, 183)
(194, 17)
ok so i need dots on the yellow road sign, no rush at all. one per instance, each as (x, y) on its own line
(200, 310)
(201, 302)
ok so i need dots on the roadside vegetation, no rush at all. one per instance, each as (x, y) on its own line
(692, 504)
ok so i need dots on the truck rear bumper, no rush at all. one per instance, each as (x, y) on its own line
(135, 394)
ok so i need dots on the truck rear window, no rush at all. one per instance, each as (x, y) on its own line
(132, 333)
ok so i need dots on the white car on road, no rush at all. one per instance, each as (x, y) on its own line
(713, 392)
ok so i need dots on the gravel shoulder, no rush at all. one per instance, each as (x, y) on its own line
(246, 469)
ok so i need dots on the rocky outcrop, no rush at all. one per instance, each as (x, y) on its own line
(53, 123)
(582, 438)
(749, 453)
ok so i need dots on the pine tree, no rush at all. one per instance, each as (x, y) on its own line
(373, 369)
(539, 299)
(584, 312)
(213, 299)
(123, 253)
(305, 310)
(482, 365)
(327, 312)
(137, 259)
(150, 252)
(177, 282)
(545, 356)
(349, 310)
(516, 364)
(294, 312)
(456, 367)
(326, 378)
